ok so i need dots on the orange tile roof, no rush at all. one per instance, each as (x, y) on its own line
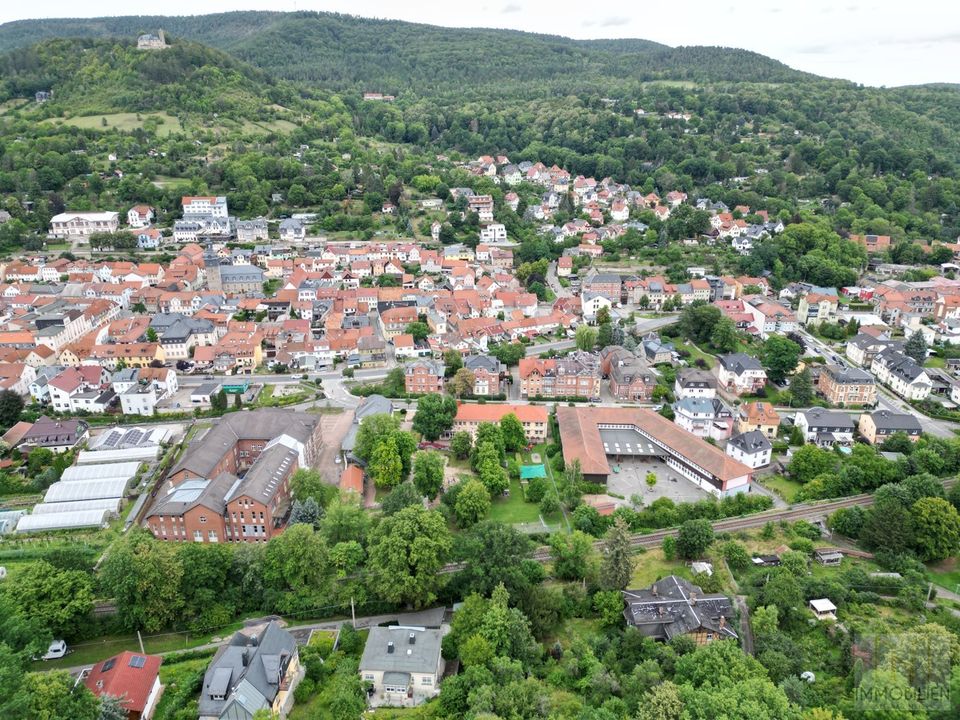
(580, 437)
(472, 412)
(352, 479)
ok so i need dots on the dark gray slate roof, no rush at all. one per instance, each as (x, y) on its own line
(420, 656)
(673, 606)
(751, 442)
(738, 362)
(250, 667)
(891, 421)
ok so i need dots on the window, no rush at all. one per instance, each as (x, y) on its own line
(368, 676)
(203, 518)
(426, 680)
(212, 536)
(197, 536)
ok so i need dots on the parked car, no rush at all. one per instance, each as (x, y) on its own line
(57, 650)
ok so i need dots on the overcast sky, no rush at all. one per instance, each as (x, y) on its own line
(875, 42)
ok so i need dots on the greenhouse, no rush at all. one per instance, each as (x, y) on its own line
(111, 504)
(109, 471)
(63, 520)
(85, 490)
(145, 453)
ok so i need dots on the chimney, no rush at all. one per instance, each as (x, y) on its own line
(413, 638)
(390, 648)
(723, 621)
(693, 598)
(245, 657)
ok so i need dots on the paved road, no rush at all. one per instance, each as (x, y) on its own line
(554, 283)
(430, 617)
(886, 400)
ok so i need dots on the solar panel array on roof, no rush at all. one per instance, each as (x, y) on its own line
(138, 661)
(62, 521)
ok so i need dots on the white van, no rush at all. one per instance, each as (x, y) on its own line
(57, 650)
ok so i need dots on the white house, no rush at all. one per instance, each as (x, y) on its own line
(591, 302)
(901, 374)
(752, 448)
(740, 373)
(140, 216)
(403, 665)
(693, 383)
(72, 224)
(825, 427)
(205, 206)
(139, 400)
(705, 418)
(293, 230)
(493, 233)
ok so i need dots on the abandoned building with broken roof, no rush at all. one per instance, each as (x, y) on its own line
(233, 482)
(673, 606)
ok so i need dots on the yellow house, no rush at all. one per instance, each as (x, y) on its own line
(138, 355)
(758, 416)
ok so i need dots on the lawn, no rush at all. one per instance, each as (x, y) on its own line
(513, 508)
(782, 486)
(88, 653)
(945, 574)
(122, 121)
(650, 566)
(935, 362)
(697, 354)
(181, 681)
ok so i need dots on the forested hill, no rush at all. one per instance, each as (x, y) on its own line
(340, 52)
(88, 75)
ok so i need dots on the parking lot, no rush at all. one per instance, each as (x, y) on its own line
(632, 480)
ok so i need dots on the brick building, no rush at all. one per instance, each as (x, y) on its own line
(424, 376)
(575, 375)
(232, 485)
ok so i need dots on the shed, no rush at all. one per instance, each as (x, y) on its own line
(823, 609)
(828, 557)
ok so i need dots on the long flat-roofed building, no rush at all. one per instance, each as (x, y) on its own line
(594, 434)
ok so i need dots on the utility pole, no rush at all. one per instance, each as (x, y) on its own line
(353, 612)
(142, 651)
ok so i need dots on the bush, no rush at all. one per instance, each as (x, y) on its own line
(806, 529)
(536, 489)
(669, 547)
(736, 556)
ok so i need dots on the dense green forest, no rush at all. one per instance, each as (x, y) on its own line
(104, 76)
(342, 51)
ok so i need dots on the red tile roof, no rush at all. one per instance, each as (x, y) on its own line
(118, 677)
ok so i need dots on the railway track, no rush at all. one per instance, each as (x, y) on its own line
(745, 522)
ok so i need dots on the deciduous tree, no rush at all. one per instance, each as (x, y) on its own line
(473, 503)
(434, 415)
(406, 552)
(428, 473)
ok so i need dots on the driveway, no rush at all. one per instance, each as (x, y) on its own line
(333, 430)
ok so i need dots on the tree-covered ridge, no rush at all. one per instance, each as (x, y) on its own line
(92, 76)
(342, 51)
